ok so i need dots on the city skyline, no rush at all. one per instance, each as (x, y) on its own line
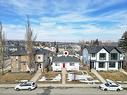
(65, 20)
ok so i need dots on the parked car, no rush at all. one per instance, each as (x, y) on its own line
(26, 86)
(110, 86)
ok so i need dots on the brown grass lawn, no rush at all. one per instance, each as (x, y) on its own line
(50, 74)
(114, 75)
(14, 77)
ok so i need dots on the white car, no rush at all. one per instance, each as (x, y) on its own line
(110, 86)
(26, 86)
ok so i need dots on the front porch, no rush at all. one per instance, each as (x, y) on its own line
(106, 66)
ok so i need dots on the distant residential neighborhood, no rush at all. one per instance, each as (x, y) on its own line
(63, 47)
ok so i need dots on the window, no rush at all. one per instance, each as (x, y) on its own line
(112, 64)
(113, 56)
(113, 85)
(39, 57)
(72, 64)
(101, 64)
(102, 56)
(93, 54)
(107, 84)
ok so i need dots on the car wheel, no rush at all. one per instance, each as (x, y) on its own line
(17, 89)
(29, 89)
(105, 89)
(118, 90)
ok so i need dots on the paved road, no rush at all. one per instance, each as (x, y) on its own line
(61, 91)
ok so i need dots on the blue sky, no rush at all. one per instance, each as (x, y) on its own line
(65, 20)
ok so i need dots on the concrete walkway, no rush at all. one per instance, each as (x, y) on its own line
(36, 76)
(121, 70)
(98, 75)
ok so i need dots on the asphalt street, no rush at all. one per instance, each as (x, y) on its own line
(61, 91)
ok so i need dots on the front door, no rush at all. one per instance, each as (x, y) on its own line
(119, 65)
(91, 65)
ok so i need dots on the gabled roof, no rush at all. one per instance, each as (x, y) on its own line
(93, 49)
(42, 51)
(96, 49)
(66, 59)
(20, 52)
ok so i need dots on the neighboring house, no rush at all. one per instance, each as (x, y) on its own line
(103, 57)
(71, 63)
(19, 61)
(42, 57)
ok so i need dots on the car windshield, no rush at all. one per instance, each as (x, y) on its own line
(106, 84)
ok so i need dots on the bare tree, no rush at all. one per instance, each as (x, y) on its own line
(2, 49)
(123, 44)
(29, 44)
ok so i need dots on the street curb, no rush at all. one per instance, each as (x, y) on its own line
(59, 85)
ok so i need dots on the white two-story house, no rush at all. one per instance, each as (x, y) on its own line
(104, 57)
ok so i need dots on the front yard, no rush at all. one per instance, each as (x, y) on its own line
(15, 77)
(49, 77)
(114, 75)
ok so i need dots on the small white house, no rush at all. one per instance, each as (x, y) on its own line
(71, 63)
(104, 57)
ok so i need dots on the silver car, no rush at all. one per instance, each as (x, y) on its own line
(26, 86)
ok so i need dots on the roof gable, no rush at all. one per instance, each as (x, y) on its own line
(42, 51)
(96, 49)
(19, 52)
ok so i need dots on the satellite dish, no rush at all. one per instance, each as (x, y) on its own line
(66, 53)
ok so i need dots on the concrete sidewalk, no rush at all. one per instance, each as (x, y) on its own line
(123, 71)
(40, 85)
(98, 75)
(36, 76)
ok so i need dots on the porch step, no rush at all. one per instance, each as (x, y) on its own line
(98, 75)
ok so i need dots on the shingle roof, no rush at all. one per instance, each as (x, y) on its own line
(96, 49)
(19, 52)
(42, 51)
(65, 59)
